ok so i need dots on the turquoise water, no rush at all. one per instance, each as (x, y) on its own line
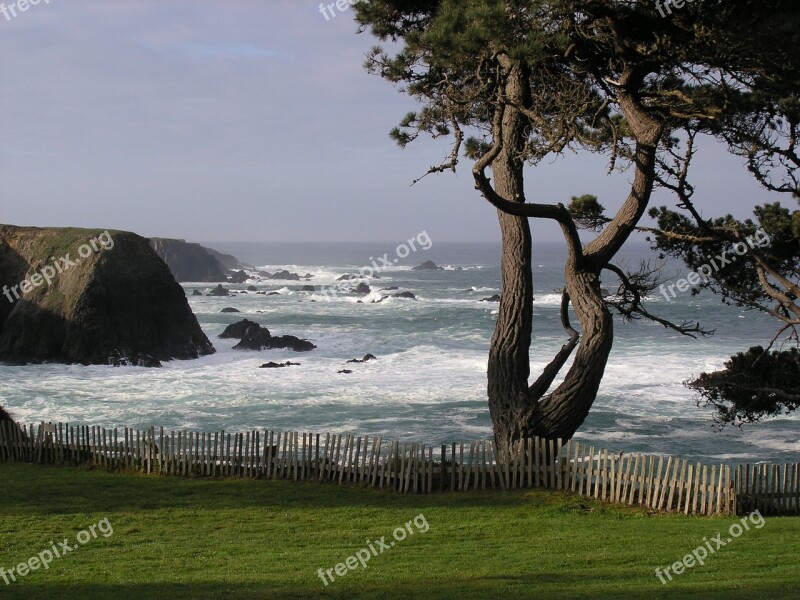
(429, 381)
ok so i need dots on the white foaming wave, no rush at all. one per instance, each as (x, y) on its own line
(547, 299)
(466, 424)
(201, 390)
(335, 298)
(616, 436)
(291, 268)
(375, 297)
(453, 301)
(319, 275)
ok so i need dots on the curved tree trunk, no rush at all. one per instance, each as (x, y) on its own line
(517, 409)
(561, 413)
(509, 360)
(558, 415)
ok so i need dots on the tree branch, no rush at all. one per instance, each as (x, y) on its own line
(545, 380)
(634, 308)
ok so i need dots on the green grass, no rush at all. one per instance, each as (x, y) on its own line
(261, 539)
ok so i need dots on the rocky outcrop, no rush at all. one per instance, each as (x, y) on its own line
(428, 265)
(495, 298)
(274, 365)
(286, 276)
(239, 277)
(406, 295)
(238, 330)
(253, 336)
(91, 297)
(189, 262)
(219, 291)
(230, 309)
(367, 358)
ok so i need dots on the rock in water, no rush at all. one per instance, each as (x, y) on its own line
(253, 336)
(286, 276)
(238, 330)
(363, 288)
(274, 365)
(287, 342)
(367, 358)
(408, 295)
(239, 277)
(117, 303)
(230, 310)
(219, 291)
(428, 265)
(495, 298)
(197, 293)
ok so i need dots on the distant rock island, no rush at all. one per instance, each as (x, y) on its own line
(114, 303)
(193, 262)
(428, 265)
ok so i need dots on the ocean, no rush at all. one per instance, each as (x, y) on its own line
(428, 383)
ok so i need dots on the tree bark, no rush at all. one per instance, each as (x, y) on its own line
(517, 410)
(509, 359)
(559, 414)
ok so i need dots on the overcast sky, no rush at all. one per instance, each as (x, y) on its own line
(246, 120)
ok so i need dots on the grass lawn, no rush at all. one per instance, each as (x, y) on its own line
(176, 538)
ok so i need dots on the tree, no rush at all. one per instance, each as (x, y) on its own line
(761, 272)
(765, 276)
(515, 81)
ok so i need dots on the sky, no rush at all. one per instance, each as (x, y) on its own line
(246, 120)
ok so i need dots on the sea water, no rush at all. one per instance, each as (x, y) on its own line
(428, 383)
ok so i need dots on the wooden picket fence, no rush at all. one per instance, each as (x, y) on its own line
(658, 482)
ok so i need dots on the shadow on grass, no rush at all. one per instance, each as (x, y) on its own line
(47, 490)
(539, 587)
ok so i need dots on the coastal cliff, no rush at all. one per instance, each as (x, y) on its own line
(193, 262)
(91, 297)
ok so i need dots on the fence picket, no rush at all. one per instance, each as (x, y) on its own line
(662, 483)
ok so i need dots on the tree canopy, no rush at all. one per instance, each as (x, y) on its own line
(512, 82)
